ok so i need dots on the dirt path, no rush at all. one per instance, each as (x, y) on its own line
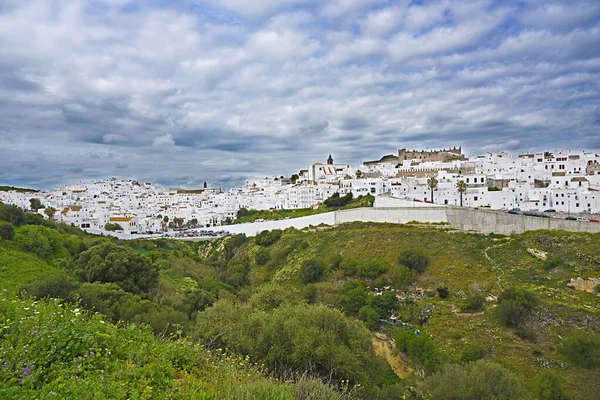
(384, 348)
(485, 253)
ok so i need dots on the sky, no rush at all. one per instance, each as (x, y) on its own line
(186, 91)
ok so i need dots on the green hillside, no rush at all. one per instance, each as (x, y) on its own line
(455, 315)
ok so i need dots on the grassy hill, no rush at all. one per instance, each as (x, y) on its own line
(17, 189)
(458, 261)
(18, 269)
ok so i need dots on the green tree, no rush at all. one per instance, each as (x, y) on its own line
(294, 178)
(461, 186)
(262, 256)
(7, 231)
(12, 214)
(39, 240)
(413, 260)
(113, 227)
(267, 238)
(475, 299)
(479, 380)
(108, 262)
(371, 268)
(369, 316)
(35, 204)
(311, 270)
(243, 212)
(472, 352)
(353, 297)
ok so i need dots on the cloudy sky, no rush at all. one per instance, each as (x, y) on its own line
(185, 91)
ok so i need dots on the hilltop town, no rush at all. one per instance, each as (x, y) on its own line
(564, 182)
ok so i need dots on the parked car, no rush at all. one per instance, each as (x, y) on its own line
(571, 218)
(550, 210)
(594, 220)
(581, 219)
(513, 211)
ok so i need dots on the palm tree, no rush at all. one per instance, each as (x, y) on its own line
(432, 183)
(461, 186)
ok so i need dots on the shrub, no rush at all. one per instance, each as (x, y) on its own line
(582, 350)
(525, 332)
(477, 380)
(58, 286)
(475, 299)
(419, 347)
(267, 238)
(336, 201)
(110, 263)
(553, 263)
(548, 386)
(7, 231)
(514, 306)
(443, 292)
(353, 297)
(348, 265)
(311, 271)
(369, 316)
(262, 256)
(371, 268)
(413, 260)
(113, 227)
(385, 304)
(336, 261)
(12, 214)
(39, 240)
(472, 352)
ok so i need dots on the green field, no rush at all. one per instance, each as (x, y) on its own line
(18, 269)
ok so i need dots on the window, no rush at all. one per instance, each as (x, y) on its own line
(576, 204)
(475, 198)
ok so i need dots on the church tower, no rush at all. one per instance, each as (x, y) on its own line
(330, 160)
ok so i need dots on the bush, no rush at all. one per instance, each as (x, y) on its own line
(371, 268)
(472, 352)
(262, 256)
(413, 260)
(348, 265)
(514, 306)
(443, 292)
(476, 380)
(475, 299)
(420, 348)
(39, 240)
(336, 201)
(369, 316)
(111, 263)
(553, 263)
(353, 297)
(113, 227)
(12, 214)
(385, 304)
(7, 230)
(583, 350)
(525, 332)
(311, 271)
(243, 212)
(58, 287)
(548, 386)
(267, 238)
(312, 338)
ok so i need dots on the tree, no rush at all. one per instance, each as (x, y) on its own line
(262, 256)
(267, 238)
(475, 299)
(12, 214)
(113, 227)
(311, 271)
(432, 183)
(243, 212)
(294, 178)
(359, 173)
(477, 380)
(583, 350)
(39, 240)
(108, 262)
(369, 316)
(35, 204)
(7, 231)
(461, 186)
(413, 260)
(50, 211)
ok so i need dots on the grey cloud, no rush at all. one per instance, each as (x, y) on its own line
(252, 91)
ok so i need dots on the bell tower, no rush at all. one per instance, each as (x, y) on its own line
(330, 160)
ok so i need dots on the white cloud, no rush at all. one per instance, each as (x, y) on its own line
(163, 141)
